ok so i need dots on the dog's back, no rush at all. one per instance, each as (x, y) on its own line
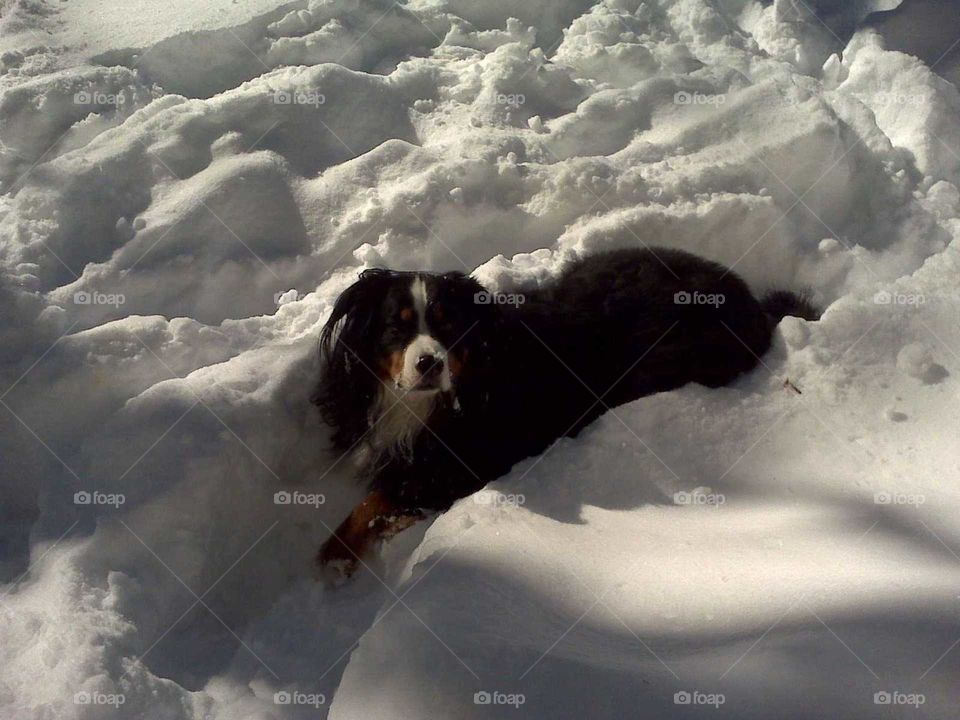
(637, 321)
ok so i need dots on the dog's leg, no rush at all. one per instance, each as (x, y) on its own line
(376, 518)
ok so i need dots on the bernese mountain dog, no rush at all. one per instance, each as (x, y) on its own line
(437, 386)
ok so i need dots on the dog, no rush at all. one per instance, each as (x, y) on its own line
(436, 386)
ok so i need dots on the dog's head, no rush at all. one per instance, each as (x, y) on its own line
(397, 347)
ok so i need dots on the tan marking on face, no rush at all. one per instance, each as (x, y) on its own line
(391, 366)
(406, 314)
(456, 360)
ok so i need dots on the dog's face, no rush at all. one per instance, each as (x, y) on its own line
(397, 346)
(419, 329)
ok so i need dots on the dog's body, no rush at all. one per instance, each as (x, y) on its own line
(438, 388)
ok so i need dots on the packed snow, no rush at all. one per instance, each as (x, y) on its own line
(186, 188)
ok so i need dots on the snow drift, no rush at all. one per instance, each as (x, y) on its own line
(182, 203)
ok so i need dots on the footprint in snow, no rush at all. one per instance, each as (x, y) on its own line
(917, 361)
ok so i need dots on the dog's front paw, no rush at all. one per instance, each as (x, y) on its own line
(373, 520)
(336, 562)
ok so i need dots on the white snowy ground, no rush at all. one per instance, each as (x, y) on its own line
(167, 170)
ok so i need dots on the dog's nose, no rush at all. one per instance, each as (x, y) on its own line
(429, 365)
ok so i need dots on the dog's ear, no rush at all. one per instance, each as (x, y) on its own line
(347, 383)
(480, 343)
(355, 306)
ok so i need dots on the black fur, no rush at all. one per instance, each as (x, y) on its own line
(609, 330)
(781, 303)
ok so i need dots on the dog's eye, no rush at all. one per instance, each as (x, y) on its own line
(406, 315)
(445, 317)
(441, 315)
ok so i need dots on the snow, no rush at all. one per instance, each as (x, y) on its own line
(187, 187)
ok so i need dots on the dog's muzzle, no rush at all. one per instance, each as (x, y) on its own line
(425, 366)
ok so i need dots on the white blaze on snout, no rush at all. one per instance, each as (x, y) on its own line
(424, 345)
(418, 289)
(402, 410)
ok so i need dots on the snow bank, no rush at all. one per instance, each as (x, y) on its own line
(181, 205)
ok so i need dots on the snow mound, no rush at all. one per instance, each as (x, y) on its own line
(181, 202)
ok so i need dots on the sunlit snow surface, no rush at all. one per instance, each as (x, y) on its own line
(185, 191)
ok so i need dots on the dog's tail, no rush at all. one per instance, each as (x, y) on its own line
(780, 303)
